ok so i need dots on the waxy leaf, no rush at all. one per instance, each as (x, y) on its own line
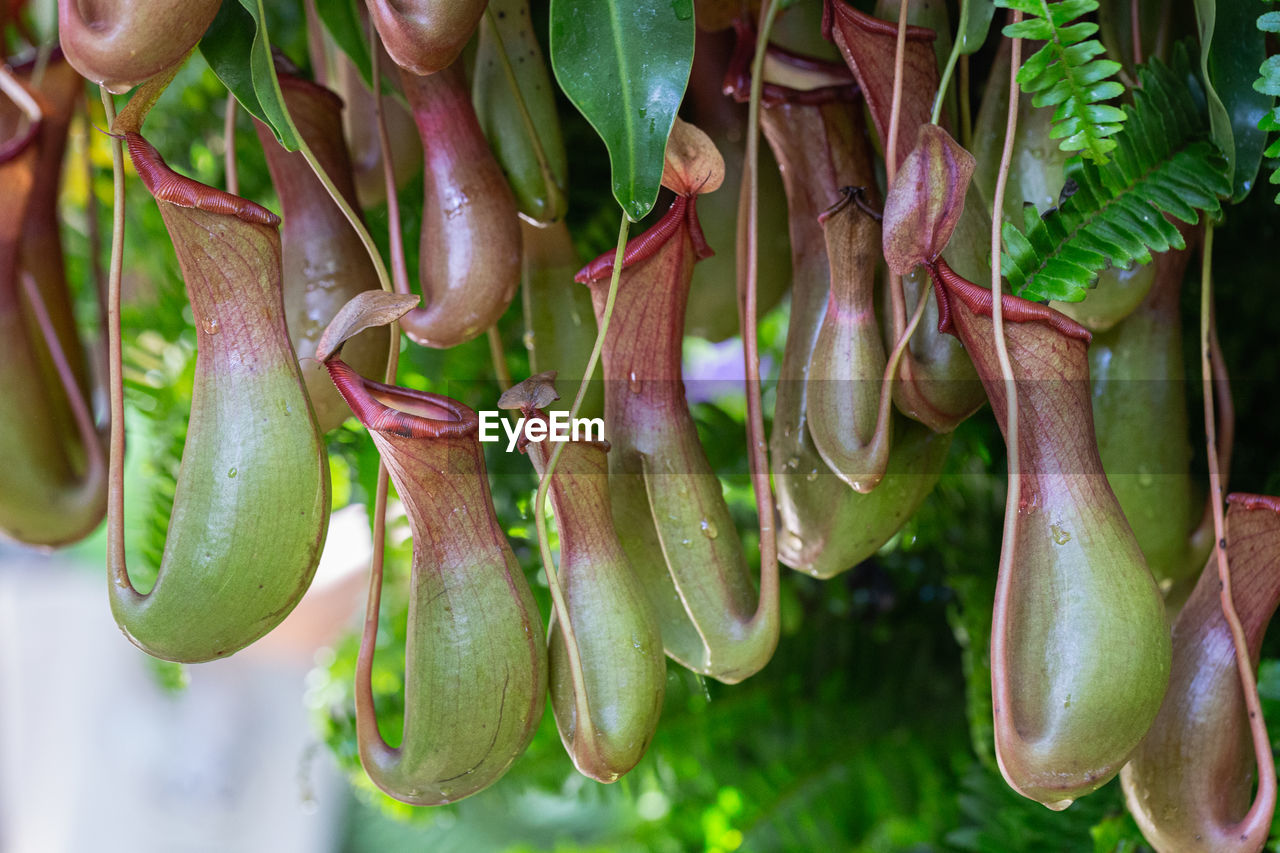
(975, 21)
(1231, 49)
(342, 21)
(238, 49)
(625, 64)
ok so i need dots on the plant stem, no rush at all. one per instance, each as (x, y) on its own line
(748, 271)
(544, 484)
(1266, 788)
(395, 236)
(899, 60)
(941, 96)
(1013, 496)
(500, 371)
(115, 271)
(229, 146)
(897, 296)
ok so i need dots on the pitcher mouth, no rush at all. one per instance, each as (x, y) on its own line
(401, 411)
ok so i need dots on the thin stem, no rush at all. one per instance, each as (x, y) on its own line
(748, 266)
(384, 280)
(229, 146)
(899, 60)
(377, 561)
(115, 465)
(530, 129)
(961, 26)
(897, 297)
(43, 53)
(544, 484)
(500, 370)
(399, 270)
(93, 227)
(80, 409)
(1135, 25)
(966, 110)
(18, 93)
(1266, 789)
(1014, 495)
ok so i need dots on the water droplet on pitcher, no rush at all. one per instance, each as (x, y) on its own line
(633, 382)
(1060, 536)
(528, 340)
(793, 463)
(212, 326)
(812, 475)
(1144, 477)
(231, 474)
(708, 529)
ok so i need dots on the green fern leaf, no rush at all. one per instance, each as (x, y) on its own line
(1269, 84)
(1067, 74)
(1163, 165)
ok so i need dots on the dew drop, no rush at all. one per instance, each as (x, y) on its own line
(528, 340)
(812, 475)
(231, 474)
(708, 529)
(633, 382)
(212, 326)
(1145, 480)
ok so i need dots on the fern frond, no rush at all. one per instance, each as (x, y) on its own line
(1164, 163)
(1269, 84)
(1067, 74)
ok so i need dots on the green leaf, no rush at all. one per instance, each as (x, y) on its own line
(1269, 84)
(1231, 47)
(975, 21)
(342, 21)
(1163, 164)
(1065, 73)
(625, 64)
(238, 49)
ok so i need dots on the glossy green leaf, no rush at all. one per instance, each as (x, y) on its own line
(975, 21)
(239, 32)
(1231, 48)
(342, 21)
(625, 64)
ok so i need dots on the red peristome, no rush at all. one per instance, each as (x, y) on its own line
(168, 186)
(379, 417)
(948, 283)
(1252, 502)
(682, 210)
